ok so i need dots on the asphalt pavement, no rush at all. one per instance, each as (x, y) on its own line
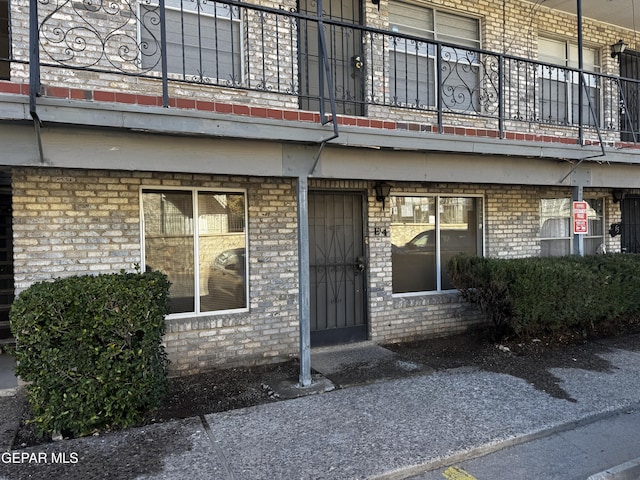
(574, 453)
(400, 428)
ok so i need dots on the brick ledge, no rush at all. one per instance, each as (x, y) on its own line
(9, 87)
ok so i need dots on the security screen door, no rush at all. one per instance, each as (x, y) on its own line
(337, 268)
(630, 113)
(6, 259)
(630, 209)
(344, 52)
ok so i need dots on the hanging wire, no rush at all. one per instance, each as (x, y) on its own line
(506, 48)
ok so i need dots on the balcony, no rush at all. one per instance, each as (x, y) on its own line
(258, 57)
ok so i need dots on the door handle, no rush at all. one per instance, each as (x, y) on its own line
(357, 61)
(360, 264)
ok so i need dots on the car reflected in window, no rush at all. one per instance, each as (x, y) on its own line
(227, 280)
(414, 263)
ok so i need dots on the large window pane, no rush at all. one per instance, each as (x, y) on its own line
(218, 272)
(222, 251)
(202, 40)
(553, 98)
(412, 75)
(460, 219)
(426, 232)
(168, 244)
(594, 241)
(559, 88)
(413, 244)
(591, 101)
(555, 227)
(412, 63)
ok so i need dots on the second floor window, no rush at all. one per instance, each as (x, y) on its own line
(559, 84)
(203, 40)
(414, 76)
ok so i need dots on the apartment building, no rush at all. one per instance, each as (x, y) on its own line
(303, 171)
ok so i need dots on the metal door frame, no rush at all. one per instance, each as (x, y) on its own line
(630, 241)
(7, 265)
(330, 336)
(629, 117)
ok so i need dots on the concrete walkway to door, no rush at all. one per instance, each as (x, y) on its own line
(389, 429)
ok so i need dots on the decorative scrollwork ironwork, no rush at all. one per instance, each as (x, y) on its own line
(263, 49)
(91, 34)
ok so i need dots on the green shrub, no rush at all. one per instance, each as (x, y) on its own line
(90, 346)
(539, 295)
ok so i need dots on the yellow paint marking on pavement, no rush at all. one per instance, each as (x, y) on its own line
(456, 473)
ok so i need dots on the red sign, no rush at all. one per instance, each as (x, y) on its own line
(580, 219)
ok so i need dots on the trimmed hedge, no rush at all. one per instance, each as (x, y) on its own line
(539, 295)
(91, 348)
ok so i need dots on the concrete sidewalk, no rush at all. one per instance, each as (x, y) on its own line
(392, 429)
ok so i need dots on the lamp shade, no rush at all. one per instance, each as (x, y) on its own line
(618, 48)
(383, 189)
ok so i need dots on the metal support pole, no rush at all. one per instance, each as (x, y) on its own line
(34, 58)
(163, 55)
(302, 192)
(34, 73)
(578, 240)
(501, 99)
(580, 76)
(439, 87)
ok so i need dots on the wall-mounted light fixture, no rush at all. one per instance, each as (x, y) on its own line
(376, 2)
(617, 49)
(383, 189)
(618, 195)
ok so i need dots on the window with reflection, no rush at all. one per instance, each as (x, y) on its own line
(198, 239)
(426, 232)
(556, 229)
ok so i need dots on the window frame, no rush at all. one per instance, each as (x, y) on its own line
(195, 191)
(570, 82)
(431, 37)
(480, 229)
(156, 69)
(569, 238)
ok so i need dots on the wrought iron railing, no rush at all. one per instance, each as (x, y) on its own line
(240, 46)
